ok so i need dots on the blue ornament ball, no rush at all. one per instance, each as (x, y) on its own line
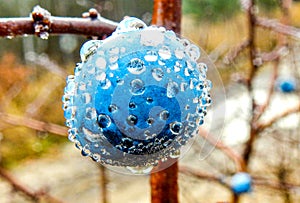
(287, 85)
(136, 97)
(241, 183)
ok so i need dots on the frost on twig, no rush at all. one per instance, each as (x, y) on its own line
(41, 23)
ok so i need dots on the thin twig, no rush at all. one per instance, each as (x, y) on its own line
(276, 26)
(220, 178)
(233, 53)
(274, 54)
(261, 126)
(45, 62)
(239, 162)
(203, 175)
(34, 195)
(34, 124)
(33, 108)
(261, 109)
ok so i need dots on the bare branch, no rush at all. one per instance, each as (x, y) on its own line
(34, 124)
(233, 53)
(274, 54)
(261, 109)
(239, 162)
(203, 175)
(262, 126)
(256, 180)
(11, 27)
(34, 195)
(276, 26)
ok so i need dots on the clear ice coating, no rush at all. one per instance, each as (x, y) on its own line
(136, 97)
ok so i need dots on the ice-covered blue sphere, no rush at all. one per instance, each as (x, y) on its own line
(136, 97)
(241, 183)
(287, 85)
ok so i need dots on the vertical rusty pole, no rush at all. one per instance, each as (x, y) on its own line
(164, 186)
(167, 13)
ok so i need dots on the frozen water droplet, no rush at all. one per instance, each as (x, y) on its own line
(193, 83)
(72, 134)
(172, 89)
(195, 100)
(114, 66)
(101, 63)
(177, 67)
(101, 77)
(202, 67)
(151, 56)
(201, 121)
(140, 169)
(111, 75)
(96, 157)
(104, 121)
(68, 112)
(176, 127)
(88, 49)
(9, 37)
(149, 100)
(164, 115)
(187, 72)
(137, 87)
(157, 74)
(152, 37)
(190, 66)
(193, 52)
(165, 53)
(170, 34)
(113, 59)
(112, 108)
(120, 81)
(90, 136)
(162, 62)
(136, 66)
(70, 88)
(85, 151)
(179, 53)
(175, 154)
(122, 49)
(183, 86)
(185, 42)
(206, 101)
(87, 98)
(132, 120)
(114, 51)
(208, 85)
(130, 24)
(82, 86)
(150, 121)
(106, 84)
(132, 105)
(44, 35)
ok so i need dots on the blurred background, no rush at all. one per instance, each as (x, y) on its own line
(32, 79)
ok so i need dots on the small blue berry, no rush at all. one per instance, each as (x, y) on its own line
(241, 183)
(287, 85)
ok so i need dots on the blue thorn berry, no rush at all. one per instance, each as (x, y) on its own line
(287, 85)
(241, 183)
(136, 97)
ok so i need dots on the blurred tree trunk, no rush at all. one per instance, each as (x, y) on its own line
(167, 13)
(164, 185)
